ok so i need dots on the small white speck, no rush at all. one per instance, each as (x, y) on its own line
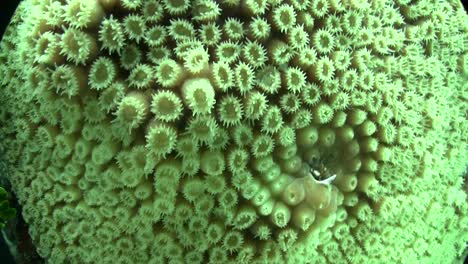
(327, 181)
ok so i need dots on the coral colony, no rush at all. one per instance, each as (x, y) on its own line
(238, 131)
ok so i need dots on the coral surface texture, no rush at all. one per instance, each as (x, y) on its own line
(238, 131)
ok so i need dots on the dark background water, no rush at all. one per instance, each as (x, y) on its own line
(5, 255)
(7, 7)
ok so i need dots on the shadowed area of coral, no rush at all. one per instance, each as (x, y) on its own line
(16, 245)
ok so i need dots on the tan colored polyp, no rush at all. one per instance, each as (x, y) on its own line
(316, 195)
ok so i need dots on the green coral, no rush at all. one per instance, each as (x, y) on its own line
(6, 211)
(253, 131)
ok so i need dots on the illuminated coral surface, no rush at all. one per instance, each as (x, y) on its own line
(238, 131)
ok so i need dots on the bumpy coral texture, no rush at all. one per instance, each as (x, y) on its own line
(253, 131)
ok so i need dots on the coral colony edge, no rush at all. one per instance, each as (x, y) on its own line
(238, 131)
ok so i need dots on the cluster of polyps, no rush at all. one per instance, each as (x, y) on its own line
(309, 196)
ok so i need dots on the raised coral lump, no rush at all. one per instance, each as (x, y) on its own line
(238, 131)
